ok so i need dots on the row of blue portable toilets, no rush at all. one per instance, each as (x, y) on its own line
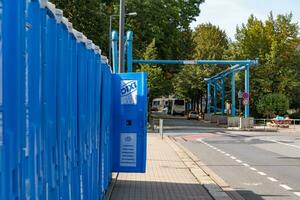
(66, 122)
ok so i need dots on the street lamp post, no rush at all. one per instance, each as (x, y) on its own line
(110, 32)
(121, 36)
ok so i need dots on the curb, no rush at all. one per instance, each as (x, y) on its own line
(216, 186)
(111, 187)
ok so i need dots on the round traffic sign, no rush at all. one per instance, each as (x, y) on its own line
(245, 95)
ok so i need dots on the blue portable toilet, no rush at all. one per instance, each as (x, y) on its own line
(129, 122)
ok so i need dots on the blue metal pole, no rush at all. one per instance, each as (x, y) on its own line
(198, 62)
(129, 50)
(208, 97)
(215, 97)
(247, 86)
(233, 94)
(223, 95)
(115, 51)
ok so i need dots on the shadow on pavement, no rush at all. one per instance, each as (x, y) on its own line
(249, 195)
(155, 190)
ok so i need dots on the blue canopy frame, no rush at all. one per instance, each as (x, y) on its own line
(236, 66)
(213, 81)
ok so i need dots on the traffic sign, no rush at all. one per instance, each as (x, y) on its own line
(245, 95)
(245, 101)
(240, 94)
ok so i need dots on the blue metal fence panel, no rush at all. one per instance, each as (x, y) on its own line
(33, 101)
(55, 107)
(13, 98)
(1, 106)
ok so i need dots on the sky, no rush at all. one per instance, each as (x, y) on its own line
(227, 14)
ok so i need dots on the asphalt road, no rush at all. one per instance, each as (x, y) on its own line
(258, 165)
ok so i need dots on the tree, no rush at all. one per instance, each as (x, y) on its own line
(157, 82)
(275, 43)
(86, 16)
(167, 21)
(210, 42)
(189, 84)
(273, 104)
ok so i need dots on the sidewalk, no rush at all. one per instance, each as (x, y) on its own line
(167, 177)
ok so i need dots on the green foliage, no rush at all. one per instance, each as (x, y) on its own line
(275, 43)
(273, 104)
(86, 17)
(189, 82)
(167, 21)
(209, 42)
(157, 82)
(295, 115)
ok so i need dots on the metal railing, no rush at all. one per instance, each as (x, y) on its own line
(269, 123)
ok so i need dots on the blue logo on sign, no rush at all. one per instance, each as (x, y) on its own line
(128, 88)
(128, 139)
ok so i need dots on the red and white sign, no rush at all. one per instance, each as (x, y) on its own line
(246, 101)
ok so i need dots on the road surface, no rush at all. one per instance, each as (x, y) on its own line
(258, 165)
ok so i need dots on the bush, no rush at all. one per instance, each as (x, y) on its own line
(273, 104)
(295, 115)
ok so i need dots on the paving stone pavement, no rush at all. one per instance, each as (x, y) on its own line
(166, 178)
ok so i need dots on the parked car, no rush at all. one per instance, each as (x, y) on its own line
(193, 115)
(154, 109)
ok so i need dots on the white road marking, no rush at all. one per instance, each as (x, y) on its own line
(253, 169)
(297, 193)
(262, 173)
(286, 187)
(252, 184)
(291, 145)
(272, 179)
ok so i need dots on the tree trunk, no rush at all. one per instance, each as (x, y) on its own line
(205, 110)
(201, 109)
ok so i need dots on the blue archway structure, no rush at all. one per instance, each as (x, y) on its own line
(236, 66)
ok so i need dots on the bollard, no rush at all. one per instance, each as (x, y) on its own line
(161, 124)
(152, 123)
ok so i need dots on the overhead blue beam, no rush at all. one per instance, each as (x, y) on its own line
(226, 72)
(198, 62)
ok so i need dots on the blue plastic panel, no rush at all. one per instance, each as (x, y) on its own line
(129, 118)
(55, 107)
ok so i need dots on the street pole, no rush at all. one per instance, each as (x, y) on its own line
(109, 42)
(121, 37)
(110, 36)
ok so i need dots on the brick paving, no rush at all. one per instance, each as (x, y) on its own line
(166, 178)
